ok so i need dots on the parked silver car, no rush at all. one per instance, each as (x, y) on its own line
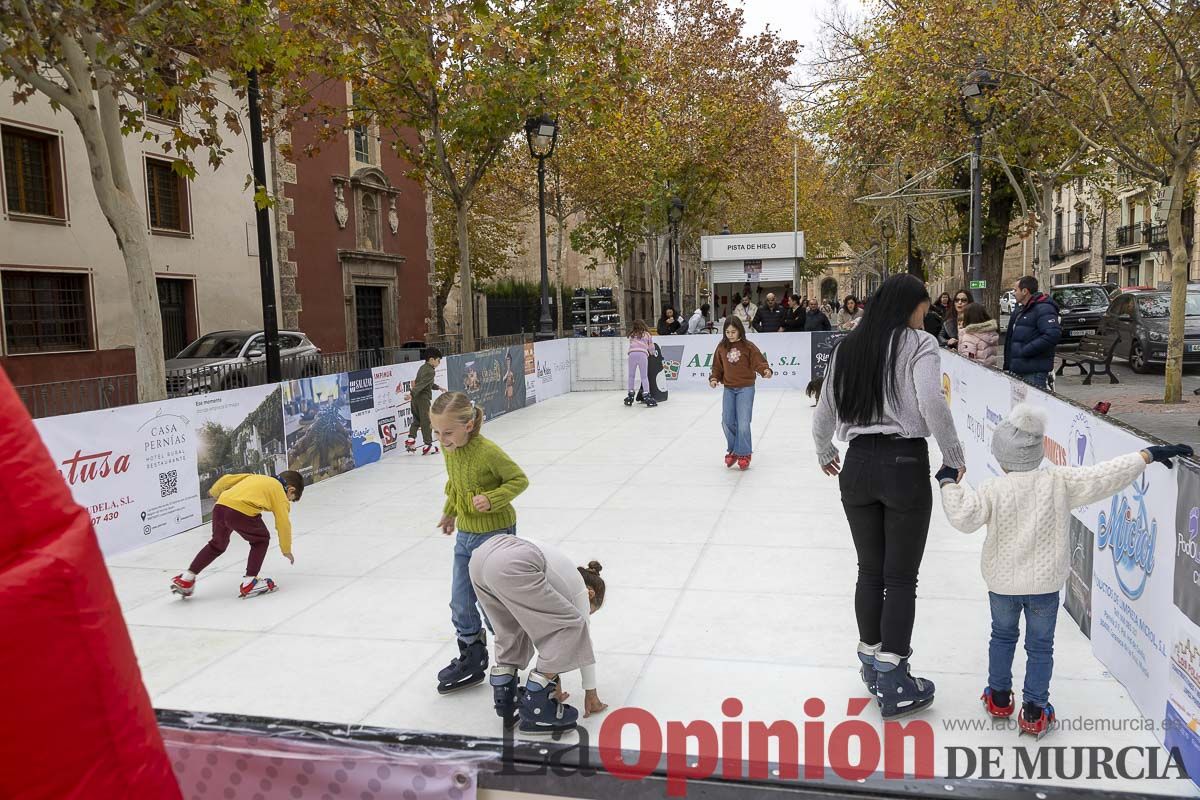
(1008, 301)
(232, 359)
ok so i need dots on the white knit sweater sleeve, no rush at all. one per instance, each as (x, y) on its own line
(967, 508)
(1089, 484)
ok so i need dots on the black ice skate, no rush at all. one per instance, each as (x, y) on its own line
(629, 399)
(506, 694)
(649, 400)
(899, 693)
(541, 713)
(469, 669)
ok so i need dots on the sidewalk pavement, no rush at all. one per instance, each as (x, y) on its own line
(1171, 423)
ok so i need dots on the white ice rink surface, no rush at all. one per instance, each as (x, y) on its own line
(720, 584)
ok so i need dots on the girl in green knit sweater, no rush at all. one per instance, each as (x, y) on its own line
(482, 483)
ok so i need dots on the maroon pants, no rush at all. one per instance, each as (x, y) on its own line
(226, 521)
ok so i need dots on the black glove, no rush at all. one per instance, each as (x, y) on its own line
(947, 474)
(1163, 453)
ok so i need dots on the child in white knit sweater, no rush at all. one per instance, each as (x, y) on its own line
(1025, 556)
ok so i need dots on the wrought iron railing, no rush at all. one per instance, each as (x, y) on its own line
(1127, 235)
(70, 397)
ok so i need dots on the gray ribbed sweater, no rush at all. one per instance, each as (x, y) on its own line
(918, 411)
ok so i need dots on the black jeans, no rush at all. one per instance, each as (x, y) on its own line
(888, 497)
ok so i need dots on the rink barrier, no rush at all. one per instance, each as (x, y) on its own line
(143, 472)
(280, 756)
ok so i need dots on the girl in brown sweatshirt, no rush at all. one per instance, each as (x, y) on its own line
(737, 363)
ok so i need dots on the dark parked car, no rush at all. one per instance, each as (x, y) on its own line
(1141, 319)
(232, 359)
(1081, 309)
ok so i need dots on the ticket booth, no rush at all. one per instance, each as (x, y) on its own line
(754, 263)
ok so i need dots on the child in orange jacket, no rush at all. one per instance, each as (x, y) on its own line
(241, 500)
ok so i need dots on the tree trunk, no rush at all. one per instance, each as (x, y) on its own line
(558, 255)
(100, 124)
(655, 290)
(1044, 233)
(1173, 386)
(440, 311)
(995, 239)
(464, 277)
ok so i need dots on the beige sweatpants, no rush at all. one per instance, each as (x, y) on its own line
(526, 611)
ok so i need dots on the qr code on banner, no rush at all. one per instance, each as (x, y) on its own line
(168, 482)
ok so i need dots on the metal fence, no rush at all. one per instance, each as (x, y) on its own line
(93, 394)
(70, 397)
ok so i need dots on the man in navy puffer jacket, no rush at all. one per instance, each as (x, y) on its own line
(1033, 333)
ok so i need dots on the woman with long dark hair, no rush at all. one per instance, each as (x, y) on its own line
(948, 336)
(885, 403)
(737, 362)
(668, 323)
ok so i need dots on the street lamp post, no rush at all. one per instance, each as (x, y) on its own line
(674, 215)
(262, 216)
(975, 89)
(542, 133)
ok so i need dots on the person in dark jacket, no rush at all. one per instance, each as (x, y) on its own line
(815, 319)
(794, 321)
(668, 324)
(1034, 331)
(770, 317)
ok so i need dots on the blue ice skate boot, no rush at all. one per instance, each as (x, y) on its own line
(866, 655)
(506, 693)
(540, 712)
(469, 669)
(898, 691)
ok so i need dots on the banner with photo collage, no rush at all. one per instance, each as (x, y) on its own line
(237, 431)
(493, 379)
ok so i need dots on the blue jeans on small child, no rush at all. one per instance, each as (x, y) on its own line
(737, 410)
(464, 611)
(1041, 614)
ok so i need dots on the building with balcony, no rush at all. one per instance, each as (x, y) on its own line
(1073, 217)
(65, 312)
(1138, 252)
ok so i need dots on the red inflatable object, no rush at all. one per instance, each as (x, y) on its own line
(75, 719)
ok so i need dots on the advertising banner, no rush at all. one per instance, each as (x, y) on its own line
(240, 430)
(1183, 687)
(393, 406)
(365, 441)
(821, 344)
(493, 379)
(316, 426)
(530, 374)
(687, 360)
(553, 368)
(133, 468)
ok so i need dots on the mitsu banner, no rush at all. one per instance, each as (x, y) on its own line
(133, 468)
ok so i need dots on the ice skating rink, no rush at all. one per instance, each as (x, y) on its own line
(720, 584)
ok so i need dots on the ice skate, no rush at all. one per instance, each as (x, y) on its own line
(430, 450)
(410, 445)
(743, 463)
(993, 705)
(469, 669)
(866, 656)
(506, 694)
(730, 459)
(649, 401)
(629, 399)
(541, 713)
(257, 586)
(1035, 720)
(899, 693)
(182, 587)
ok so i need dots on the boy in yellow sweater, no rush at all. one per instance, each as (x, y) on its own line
(241, 500)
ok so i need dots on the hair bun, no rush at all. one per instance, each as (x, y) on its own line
(594, 566)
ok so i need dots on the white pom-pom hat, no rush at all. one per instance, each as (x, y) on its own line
(1018, 441)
